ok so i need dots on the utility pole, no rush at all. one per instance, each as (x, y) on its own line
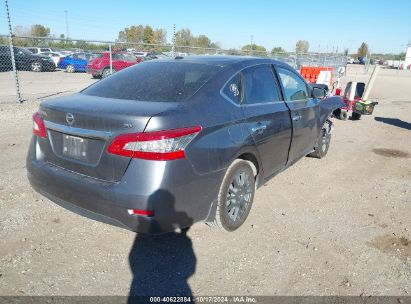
(251, 46)
(13, 61)
(173, 49)
(67, 27)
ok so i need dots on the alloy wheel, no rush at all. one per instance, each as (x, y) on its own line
(239, 196)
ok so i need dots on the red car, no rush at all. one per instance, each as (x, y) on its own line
(100, 66)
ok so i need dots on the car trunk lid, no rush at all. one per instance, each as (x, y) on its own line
(80, 128)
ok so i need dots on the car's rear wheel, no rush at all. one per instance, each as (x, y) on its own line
(70, 68)
(323, 143)
(236, 196)
(36, 66)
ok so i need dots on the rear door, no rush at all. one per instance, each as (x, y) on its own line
(304, 113)
(267, 116)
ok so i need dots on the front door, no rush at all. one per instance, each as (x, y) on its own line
(267, 116)
(304, 113)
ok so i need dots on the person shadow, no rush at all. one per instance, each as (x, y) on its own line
(162, 264)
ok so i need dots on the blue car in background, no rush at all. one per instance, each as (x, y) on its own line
(76, 62)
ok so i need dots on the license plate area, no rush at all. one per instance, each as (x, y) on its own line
(75, 147)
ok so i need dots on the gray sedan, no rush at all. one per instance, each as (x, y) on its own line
(163, 144)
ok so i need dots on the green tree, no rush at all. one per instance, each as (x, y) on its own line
(184, 37)
(132, 34)
(302, 46)
(253, 47)
(400, 56)
(148, 34)
(363, 50)
(38, 30)
(160, 36)
(203, 41)
(277, 50)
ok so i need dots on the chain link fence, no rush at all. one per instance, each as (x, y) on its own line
(50, 66)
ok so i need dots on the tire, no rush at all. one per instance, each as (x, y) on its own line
(36, 66)
(106, 72)
(355, 116)
(343, 115)
(236, 196)
(95, 76)
(70, 68)
(323, 143)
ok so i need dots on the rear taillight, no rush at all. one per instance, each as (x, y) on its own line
(338, 91)
(158, 145)
(39, 128)
(141, 212)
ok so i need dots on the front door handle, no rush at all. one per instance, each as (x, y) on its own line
(259, 129)
(296, 117)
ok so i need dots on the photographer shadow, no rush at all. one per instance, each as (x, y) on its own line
(162, 264)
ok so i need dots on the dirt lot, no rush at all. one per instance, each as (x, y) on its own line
(336, 226)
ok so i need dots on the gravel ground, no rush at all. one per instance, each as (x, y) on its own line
(336, 226)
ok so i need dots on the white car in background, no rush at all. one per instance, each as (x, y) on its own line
(37, 50)
(55, 56)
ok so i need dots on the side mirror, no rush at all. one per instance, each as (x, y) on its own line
(319, 93)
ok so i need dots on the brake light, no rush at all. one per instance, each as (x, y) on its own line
(39, 128)
(158, 145)
(140, 212)
(338, 91)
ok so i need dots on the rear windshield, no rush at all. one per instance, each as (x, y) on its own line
(154, 81)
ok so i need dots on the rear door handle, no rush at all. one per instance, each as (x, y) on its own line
(296, 117)
(259, 129)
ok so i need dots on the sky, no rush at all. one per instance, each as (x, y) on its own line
(384, 24)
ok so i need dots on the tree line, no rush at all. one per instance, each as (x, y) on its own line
(147, 35)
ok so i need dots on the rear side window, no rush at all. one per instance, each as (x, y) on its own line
(294, 87)
(259, 85)
(232, 89)
(154, 81)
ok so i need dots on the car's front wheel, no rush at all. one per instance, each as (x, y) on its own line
(323, 142)
(236, 195)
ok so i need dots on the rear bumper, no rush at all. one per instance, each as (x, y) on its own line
(177, 196)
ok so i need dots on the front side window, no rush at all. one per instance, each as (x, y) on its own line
(259, 85)
(232, 89)
(294, 87)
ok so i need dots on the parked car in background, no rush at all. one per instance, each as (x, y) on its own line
(55, 56)
(37, 50)
(166, 143)
(100, 66)
(25, 60)
(76, 62)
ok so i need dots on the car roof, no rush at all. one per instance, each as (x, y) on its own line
(226, 60)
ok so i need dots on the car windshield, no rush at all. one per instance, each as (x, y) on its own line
(155, 81)
(24, 51)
